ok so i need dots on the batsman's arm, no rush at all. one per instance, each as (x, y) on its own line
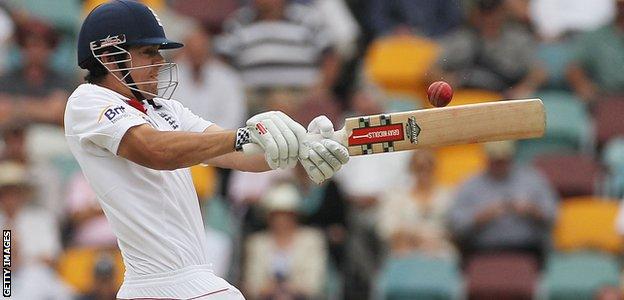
(238, 160)
(170, 150)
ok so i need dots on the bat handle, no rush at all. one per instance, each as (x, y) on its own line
(251, 148)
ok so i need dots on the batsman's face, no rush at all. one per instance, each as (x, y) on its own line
(146, 56)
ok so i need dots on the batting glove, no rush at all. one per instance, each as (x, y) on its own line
(325, 156)
(281, 138)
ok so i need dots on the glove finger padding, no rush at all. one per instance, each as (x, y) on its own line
(313, 172)
(298, 131)
(292, 142)
(321, 125)
(326, 157)
(282, 145)
(287, 134)
(321, 162)
(321, 156)
(339, 151)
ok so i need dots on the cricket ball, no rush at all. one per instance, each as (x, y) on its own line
(440, 93)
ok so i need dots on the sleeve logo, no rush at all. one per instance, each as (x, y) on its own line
(113, 114)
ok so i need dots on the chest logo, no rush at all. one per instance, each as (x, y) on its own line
(172, 122)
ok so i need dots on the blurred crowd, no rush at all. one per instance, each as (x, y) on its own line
(502, 220)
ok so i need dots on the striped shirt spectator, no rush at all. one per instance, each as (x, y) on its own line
(285, 51)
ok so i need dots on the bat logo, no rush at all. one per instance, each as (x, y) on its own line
(413, 130)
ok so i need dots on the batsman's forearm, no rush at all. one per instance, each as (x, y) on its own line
(242, 162)
(187, 150)
(170, 150)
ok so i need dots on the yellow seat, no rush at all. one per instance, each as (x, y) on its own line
(91, 4)
(76, 267)
(587, 222)
(399, 63)
(204, 180)
(472, 96)
(457, 163)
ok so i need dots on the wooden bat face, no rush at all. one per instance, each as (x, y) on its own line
(473, 123)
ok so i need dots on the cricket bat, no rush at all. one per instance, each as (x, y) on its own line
(435, 127)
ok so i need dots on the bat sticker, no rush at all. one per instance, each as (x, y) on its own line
(412, 129)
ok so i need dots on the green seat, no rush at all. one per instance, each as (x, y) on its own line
(579, 275)
(613, 158)
(217, 215)
(555, 57)
(63, 14)
(567, 127)
(419, 277)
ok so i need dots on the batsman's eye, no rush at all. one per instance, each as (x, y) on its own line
(151, 52)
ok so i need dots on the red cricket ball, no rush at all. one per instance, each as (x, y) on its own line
(440, 93)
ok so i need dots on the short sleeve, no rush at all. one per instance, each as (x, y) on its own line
(188, 120)
(101, 120)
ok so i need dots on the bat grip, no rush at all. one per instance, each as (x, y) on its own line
(252, 148)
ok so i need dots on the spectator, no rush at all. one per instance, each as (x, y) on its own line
(324, 206)
(340, 23)
(430, 18)
(364, 180)
(596, 69)
(555, 18)
(619, 225)
(34, 92)
(287, 260)
(89, 225)
(34, 280)
(208, 87)
(417, 212)
(505, 208)
(48, 187)
(6, 33)
(491, 53)
(104, 286)
(35, 229)
(283, 52)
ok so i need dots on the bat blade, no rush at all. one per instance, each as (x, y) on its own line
(435, 127)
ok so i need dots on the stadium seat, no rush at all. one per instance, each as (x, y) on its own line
(555, 56)
(400, 63)
(567, 127)
(578, 275)
(204, 180)
(571, 175)
(587, 222)
(63, 14)
(454, 164)
(502, 276)
(419, 277)
(608, 117)
(472, 96)
(613, 159)
(89, 5)
(76, 267)
(217, 215)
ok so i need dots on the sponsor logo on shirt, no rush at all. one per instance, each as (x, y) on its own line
(113, 114)
(169, 119)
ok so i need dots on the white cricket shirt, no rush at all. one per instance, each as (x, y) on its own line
(154, 214)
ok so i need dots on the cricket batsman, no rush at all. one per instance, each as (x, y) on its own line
(135, 146)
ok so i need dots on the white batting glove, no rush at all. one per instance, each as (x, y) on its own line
(326, 156)
(281, 138)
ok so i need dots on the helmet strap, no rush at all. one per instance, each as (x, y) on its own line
(130, 82)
